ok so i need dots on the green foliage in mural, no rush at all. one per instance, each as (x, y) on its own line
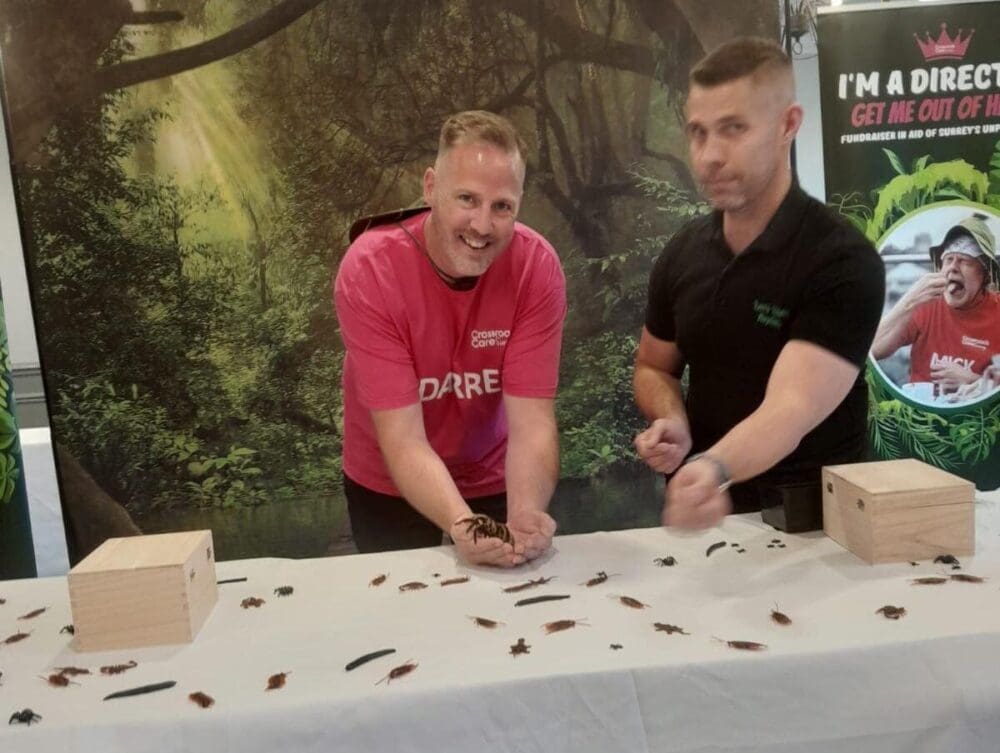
(956, 443)
(9, 471)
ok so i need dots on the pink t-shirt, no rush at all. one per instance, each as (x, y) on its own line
(410, 338)
(942, 335)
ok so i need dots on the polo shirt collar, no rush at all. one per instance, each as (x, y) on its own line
(782, 227)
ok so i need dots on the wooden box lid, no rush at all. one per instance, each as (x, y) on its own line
(906, 477)
(139, 552)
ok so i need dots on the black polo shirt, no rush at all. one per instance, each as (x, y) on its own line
(809, 276)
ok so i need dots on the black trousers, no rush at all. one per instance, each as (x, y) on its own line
(382, 522)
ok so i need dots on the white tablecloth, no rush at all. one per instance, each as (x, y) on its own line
(840, 678)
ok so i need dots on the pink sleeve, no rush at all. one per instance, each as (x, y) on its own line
(380, 364)
(531, 359)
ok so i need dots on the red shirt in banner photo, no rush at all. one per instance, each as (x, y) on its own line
(410, 338)
(942, 335)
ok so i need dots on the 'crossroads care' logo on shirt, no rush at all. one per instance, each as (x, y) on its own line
(489, 338)
(769, 314)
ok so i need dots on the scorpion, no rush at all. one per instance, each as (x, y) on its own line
(669, 629)
(117, 669)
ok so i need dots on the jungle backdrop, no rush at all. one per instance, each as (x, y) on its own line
(186, 172)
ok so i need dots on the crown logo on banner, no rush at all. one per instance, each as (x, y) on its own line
(944, 47)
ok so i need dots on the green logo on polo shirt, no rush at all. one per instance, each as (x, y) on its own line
(769, 314)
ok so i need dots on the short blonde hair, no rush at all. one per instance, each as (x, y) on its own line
(480, 125)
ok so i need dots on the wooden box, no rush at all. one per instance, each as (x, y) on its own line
(143, 591)
(898, 510)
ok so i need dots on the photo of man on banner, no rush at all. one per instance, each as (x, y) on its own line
(950, 318)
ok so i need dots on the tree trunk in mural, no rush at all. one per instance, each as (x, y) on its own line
(90, 515)
(56, 77)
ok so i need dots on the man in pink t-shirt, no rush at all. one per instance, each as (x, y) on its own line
(452, 322)
(951, 316)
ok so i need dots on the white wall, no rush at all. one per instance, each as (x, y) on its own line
(13, 282)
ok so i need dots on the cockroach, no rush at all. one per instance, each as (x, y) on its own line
(520, 648)
(251, 601)
(396, 672)
(525, 586)
(284, 591)
(616, 647)
(946, 559)
(485, 623)
(715, 546)
(58, 680)
(203, 700)
(16, 637)
(378, 580)
(630, 602)
(455, 581)
(744, 645)
(413, 585)
(68, 629)
(890, 612)
(72, 671)
(931, 580)
(361, 660)
(780, 617)
(597, 579)
(965, 578)
(665, 561)
(25, 716)
(485, 526)
(669, 629)
(32, 614)
(117, 669)
(277, 681)
(559, 625)
(540, 599)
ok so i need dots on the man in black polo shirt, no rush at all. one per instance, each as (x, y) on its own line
(772, 301)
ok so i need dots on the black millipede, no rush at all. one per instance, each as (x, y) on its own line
(539, 600)
(368, 657)
(716, 545)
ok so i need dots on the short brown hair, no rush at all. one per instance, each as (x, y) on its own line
(480, 125)
(740, 57)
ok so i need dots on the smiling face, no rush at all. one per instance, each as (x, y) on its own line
(474, 191)
(739, 134)
(966, 278)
